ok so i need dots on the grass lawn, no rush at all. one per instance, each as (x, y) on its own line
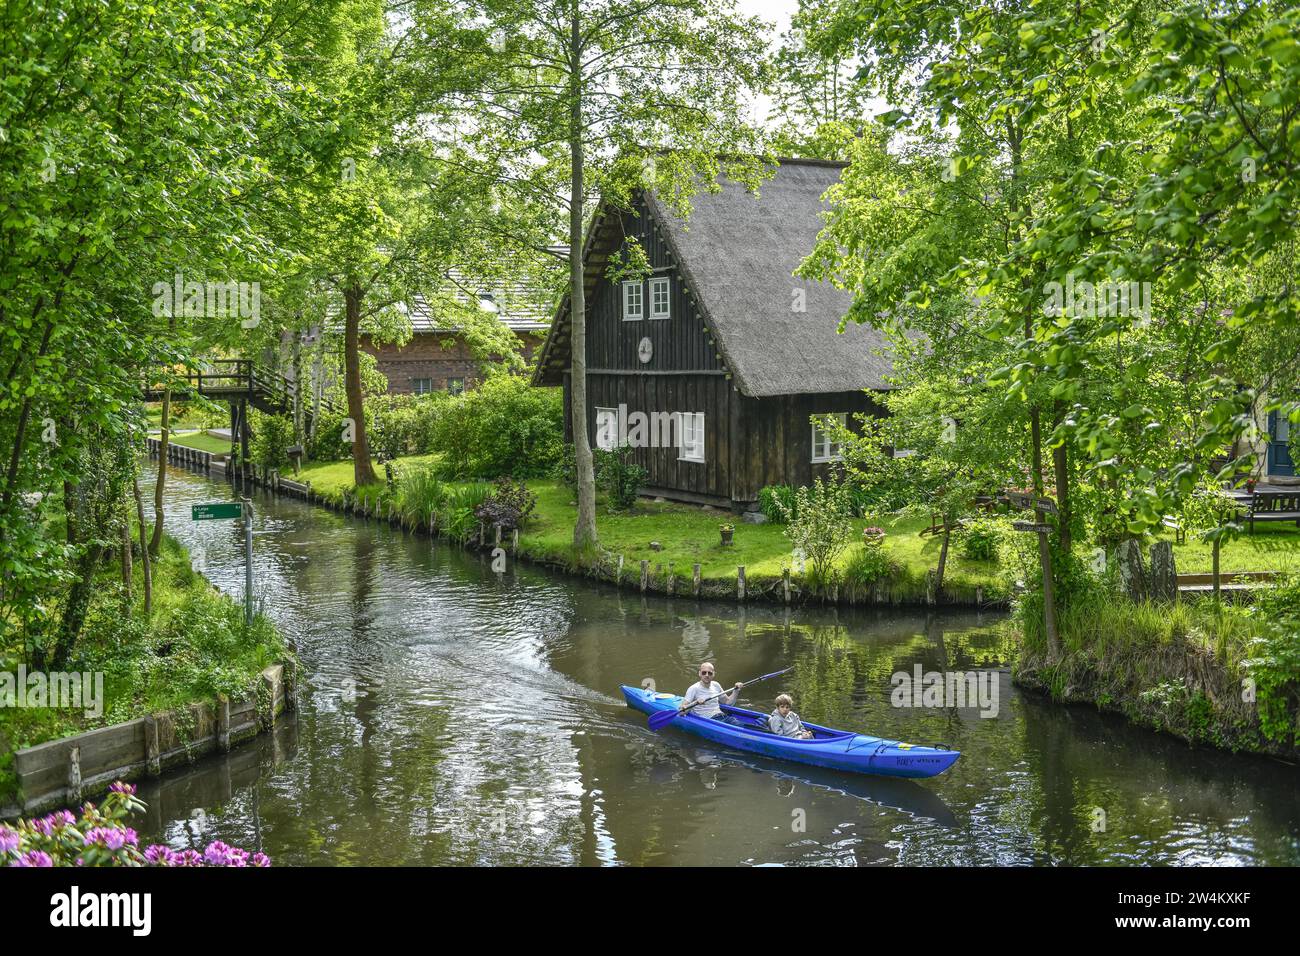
(333, 478)
(202, 441)
(689, 534)
(1273, 547)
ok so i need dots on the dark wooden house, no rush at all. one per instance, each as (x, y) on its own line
(722, 336)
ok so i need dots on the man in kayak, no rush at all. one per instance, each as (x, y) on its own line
(704, 697)
(785, 721)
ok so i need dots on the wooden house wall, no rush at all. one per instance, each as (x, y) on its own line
(749, 442)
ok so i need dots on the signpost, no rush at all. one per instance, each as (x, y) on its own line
(225, 510)
(1041, 506)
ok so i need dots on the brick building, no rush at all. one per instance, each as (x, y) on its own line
(438, 359)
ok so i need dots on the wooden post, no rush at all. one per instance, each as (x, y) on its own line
(152, 749)
(695, 580)
(645, 575)
(223, 723)
(514, 541)
(269, 720)
(618, 573)
(498, 536)
(672, 581)
(480, 534)
(1215, 570)
(74, 775)
(785, 585)
(740, 583)
(1049, 602)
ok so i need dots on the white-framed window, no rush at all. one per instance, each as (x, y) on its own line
(692, 437)
(606, 428)
(633, 304)
(660, 298)
(824, 448)
(422, 386)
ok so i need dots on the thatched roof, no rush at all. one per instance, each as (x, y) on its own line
(737, 253)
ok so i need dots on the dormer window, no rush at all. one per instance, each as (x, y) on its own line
(660, 300)
(633, 302)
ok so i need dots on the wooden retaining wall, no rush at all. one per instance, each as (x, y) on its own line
(183, 455)
(64, 772)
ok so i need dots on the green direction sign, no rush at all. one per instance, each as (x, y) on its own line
(214, 512)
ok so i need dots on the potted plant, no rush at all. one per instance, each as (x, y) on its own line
(873, 535)
(1250, 484)
(726, 530)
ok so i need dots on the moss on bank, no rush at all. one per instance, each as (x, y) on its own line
(1191, 669)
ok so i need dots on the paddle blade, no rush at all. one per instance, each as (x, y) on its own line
(662, 718)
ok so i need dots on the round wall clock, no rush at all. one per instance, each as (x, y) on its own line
(645, 350)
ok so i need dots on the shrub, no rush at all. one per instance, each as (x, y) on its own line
(980, 538)
(776, 501)
(272, 436)
(565, 470)
(621, 477)
(869, 563)
(509, 505)
(420, 493)
(820, 524)
(100, 837)
(503, 427)
(458, 514)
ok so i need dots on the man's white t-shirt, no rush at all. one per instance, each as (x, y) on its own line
(698, 691)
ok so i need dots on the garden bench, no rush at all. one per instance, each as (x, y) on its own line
(1273, 506)
(1172, 522)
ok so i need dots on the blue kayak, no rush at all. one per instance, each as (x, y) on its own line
(837, 749)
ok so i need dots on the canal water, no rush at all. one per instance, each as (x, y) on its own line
(454, 715)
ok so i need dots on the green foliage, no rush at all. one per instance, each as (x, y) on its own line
(980, 538)
(272, 437)
(820, 524)
(503, 427)
(619, 476)
(869, 563)
(776, 501)
(421, 494)
(1274, 662)
(457, 515)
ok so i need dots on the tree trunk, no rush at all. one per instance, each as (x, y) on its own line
(1061, 470)
(146, 569)
(160, 485)
(297, 387)
(363, 472)
(125, 545)
(584, 531)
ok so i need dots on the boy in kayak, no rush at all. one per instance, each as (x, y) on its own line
(785, 721)
(703, 697)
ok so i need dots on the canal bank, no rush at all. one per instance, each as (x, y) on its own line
(451, 714)
(788, 583)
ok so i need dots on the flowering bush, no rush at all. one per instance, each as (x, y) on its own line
(101, 838)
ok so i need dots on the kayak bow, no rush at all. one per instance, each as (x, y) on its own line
(837, 749)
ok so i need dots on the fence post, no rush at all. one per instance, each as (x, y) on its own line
(74, 775)
(695, 580)
(618, 574)
(514, 541)
(645, 574)
(152, 748)
(672, 580)
(740, 583)
(223, 723)
(785, 585)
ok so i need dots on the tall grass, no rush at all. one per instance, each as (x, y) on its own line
(420, 494)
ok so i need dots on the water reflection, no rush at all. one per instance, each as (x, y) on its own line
(454, 715)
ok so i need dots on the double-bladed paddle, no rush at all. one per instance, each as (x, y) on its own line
(662, 718)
